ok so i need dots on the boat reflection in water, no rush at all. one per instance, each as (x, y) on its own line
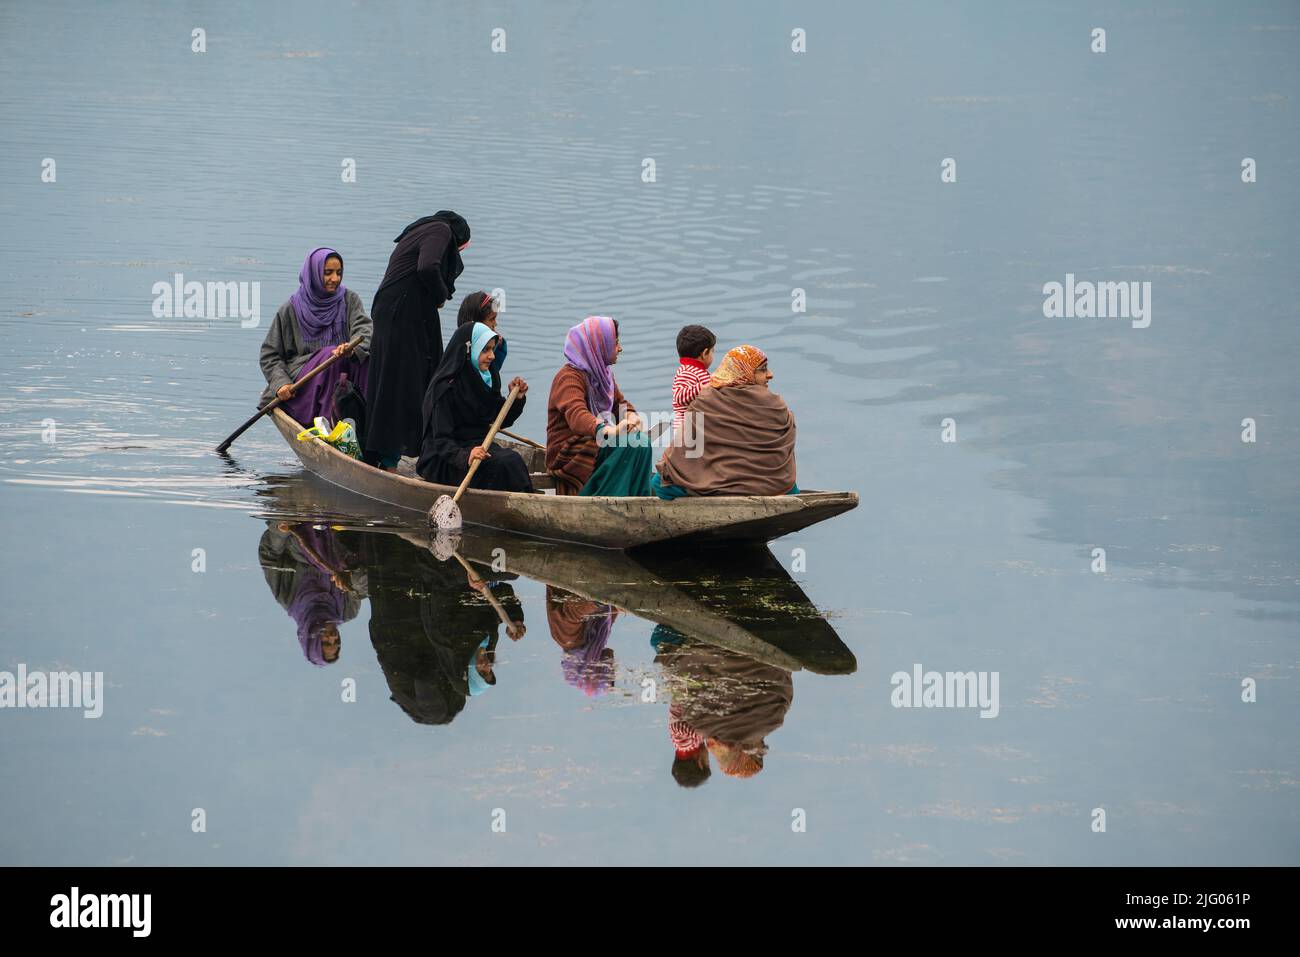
(730, 627)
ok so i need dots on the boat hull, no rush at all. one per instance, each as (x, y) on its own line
(601, 521)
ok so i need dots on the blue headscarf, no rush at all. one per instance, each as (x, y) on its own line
(477, 683)
(479, 338)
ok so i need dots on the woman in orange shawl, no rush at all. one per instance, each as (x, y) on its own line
(746, 436)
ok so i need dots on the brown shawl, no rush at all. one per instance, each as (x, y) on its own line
(567, 614)
(725, 696)
(746, 434)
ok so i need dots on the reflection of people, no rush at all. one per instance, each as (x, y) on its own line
(690, 751)
(433, 629)
(307, 569)
(582, 629)
(732, 702)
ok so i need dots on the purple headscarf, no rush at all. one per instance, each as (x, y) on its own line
(590, 347)
(589, 667)
(316, 601)
(322, 318)
(315, 604)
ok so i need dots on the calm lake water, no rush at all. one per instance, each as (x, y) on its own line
(774, 170)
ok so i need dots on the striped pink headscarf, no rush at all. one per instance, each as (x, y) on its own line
(590, 347)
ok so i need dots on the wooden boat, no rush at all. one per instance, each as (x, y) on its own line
(602, 521)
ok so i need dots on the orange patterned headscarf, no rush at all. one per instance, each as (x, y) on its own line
(738, 367)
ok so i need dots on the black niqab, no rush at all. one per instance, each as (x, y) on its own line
(459, 227)
(450, 265)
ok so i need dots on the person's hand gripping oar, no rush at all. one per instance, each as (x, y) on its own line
(340, 353)
(514, 629)
(445, 513)
(341, 577)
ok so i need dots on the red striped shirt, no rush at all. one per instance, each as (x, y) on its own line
(691, 377)
(686, 740)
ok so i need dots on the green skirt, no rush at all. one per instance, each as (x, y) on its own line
(621, 470)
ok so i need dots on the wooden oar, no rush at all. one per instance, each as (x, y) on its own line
(275, 403)
(445, 512)
(315, 556)
(523, 439)
(486, 592)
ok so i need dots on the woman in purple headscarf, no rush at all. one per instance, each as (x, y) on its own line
(318, 321)
(307, 569)
(582, 628)
(594, 441)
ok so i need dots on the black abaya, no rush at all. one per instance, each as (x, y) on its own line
(459, 408)
(407, 341)
(426, 626)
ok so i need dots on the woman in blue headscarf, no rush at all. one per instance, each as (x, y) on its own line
(460, 406)
(317, 321)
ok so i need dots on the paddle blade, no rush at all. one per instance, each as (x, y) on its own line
(445, 514)
(445, 543)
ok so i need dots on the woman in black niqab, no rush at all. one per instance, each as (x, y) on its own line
(460, 406)
(407, 341)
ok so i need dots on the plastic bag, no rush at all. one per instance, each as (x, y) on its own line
(342, 436)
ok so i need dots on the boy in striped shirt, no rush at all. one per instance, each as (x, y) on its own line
(695, 349)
